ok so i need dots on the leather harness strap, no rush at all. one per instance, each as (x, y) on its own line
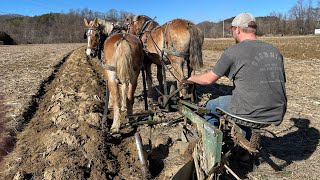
(144, 27)
(171, 50)
(108, 67)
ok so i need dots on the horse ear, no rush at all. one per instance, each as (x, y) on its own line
(95, 22)
(135, 18)
(86, 22)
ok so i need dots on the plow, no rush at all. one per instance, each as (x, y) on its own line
(213, 146)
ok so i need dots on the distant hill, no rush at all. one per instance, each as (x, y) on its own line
(52, 27)
(5, 17)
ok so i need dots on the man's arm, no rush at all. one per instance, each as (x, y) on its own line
(204, 79)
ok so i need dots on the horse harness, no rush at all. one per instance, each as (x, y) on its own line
(171, 50)
(111, 67)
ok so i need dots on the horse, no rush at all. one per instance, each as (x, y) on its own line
(123, 60)
(175, 42)
(97, 32)
(122, 63)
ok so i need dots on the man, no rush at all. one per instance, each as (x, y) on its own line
(257, 71)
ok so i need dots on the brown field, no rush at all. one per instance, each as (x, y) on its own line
(53, 103)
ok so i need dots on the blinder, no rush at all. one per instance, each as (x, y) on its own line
(85, 35)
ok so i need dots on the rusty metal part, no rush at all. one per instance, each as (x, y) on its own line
(237, 136)
(255, 139)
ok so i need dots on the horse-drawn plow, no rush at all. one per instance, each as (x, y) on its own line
(211, 146)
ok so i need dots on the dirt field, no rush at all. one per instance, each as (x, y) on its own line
(54, 105)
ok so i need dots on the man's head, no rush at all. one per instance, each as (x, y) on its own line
(244, 27)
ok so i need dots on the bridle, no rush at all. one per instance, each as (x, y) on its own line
(98, 40)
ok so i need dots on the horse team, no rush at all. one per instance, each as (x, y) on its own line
(140, 42)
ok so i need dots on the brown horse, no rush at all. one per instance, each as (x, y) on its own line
(175, 42)
(123, 60)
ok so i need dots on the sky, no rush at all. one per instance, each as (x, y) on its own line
(164, 10)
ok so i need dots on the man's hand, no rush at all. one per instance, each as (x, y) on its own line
(185, 81)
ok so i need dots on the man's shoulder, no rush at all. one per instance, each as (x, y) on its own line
(254, 43)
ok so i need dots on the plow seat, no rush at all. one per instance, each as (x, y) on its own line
(243, 121)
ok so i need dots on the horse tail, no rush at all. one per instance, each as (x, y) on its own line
(123, 59)
(195, 48)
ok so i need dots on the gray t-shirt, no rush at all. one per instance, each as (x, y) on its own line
(257, 71)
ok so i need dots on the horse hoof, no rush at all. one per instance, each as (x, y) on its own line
(115, 130)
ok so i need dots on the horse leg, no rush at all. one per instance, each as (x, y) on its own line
(131, 90)
(160, 77)
(190, 72)
(177, 64)
(190, 69)
(114, 91)
(109, 98)
(124, 89)
(106, 108)
(149, 84)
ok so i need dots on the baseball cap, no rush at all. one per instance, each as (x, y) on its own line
(244, 20)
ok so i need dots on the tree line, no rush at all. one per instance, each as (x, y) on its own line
(301, 19)
(68, 27)
(53, 27)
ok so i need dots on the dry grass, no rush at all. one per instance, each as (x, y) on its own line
(301, 47)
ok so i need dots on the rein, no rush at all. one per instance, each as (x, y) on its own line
(165, 51)
(143, 29)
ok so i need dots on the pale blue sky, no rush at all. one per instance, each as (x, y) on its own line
(165, 10)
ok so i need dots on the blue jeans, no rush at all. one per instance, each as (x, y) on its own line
(222, 102)
(213, 117)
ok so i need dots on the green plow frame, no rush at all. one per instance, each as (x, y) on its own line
(211, 136)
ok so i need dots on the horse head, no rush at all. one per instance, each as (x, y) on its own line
(138, 24)
(97, 32)
(93, 34)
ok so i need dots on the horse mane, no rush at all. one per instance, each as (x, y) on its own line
(135, 18)
(106, 25)
(153, 22)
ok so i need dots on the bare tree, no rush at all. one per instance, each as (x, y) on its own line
(298, 14)
(112, 15)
